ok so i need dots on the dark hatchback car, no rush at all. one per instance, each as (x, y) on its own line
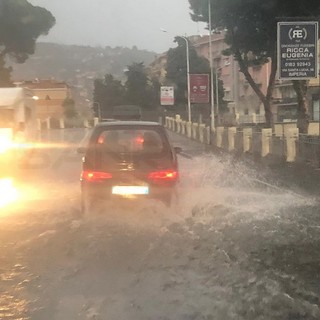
(128, 160)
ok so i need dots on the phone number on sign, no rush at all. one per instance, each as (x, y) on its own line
(298, 64)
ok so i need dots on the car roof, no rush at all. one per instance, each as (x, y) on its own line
(128, 123)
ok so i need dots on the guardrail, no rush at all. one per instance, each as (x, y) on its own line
(282, 145)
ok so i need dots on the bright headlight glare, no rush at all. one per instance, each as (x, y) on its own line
(5, 144)
(8, 193)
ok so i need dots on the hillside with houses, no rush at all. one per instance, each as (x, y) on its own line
(77, 65)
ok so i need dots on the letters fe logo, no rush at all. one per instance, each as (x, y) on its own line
(297, 34)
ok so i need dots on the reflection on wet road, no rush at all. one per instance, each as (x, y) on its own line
(239, 246)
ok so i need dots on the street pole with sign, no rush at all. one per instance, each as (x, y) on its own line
(319, 124)
(188, 76)
(217, 92)
(188, 71)
(212, 113)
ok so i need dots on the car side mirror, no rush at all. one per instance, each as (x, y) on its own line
(177, 150)
(81, 150)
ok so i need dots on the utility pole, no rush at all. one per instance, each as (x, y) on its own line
(211, 70)
(188, 76)
(188, 72)
(217, 93)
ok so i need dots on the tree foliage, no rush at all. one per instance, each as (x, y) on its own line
(138, 89)
(69, 108)
(20, 26)
(137, 84)
(251, 32)
(108, 92)
(177, 70)
(5, 74)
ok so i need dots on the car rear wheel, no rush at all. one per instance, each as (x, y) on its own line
(87, 204)
(174, 202)
(171, 199)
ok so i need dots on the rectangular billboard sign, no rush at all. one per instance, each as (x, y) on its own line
(297, 50)
(199, 88)
(167, 96)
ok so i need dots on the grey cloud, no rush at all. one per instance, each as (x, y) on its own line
(120, 22)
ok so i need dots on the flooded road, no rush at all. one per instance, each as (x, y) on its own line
(239, 245)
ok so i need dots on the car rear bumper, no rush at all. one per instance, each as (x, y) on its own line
(102, 192)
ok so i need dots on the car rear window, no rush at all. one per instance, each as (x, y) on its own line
(139, 141)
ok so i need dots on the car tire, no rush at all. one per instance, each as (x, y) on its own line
(87, 204)
(174, 202)
(171, 200)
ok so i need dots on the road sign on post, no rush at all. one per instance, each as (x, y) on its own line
(167, 96)
(199, 88)
(297, 50)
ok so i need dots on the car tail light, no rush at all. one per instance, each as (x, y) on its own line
(165, 175)
(139, 140)
(95, 176)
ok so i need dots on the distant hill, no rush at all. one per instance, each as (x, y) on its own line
(69, 62)
(79, 66)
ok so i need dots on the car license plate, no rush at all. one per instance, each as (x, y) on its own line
(130, 190)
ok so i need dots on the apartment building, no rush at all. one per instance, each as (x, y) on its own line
(241, 98)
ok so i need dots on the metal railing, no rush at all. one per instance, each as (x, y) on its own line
(308, 149)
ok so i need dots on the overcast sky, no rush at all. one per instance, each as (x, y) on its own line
(120, 22)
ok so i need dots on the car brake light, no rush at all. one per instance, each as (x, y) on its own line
(95, 176)
(165, 175)
(139, 140)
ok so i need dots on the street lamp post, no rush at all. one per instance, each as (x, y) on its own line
(211, 70)
(319, 121)
(217, 93)
(188, 76)
(319, 108)
(188, 72)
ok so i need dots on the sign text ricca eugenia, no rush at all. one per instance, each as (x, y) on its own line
(297, 50)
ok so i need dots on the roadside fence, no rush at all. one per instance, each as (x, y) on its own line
(283, 144)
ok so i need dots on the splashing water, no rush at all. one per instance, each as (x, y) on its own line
(209, 186)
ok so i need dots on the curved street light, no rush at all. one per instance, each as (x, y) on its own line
(188, 71)
(217, 93)
(212, 113)
(188, 75)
